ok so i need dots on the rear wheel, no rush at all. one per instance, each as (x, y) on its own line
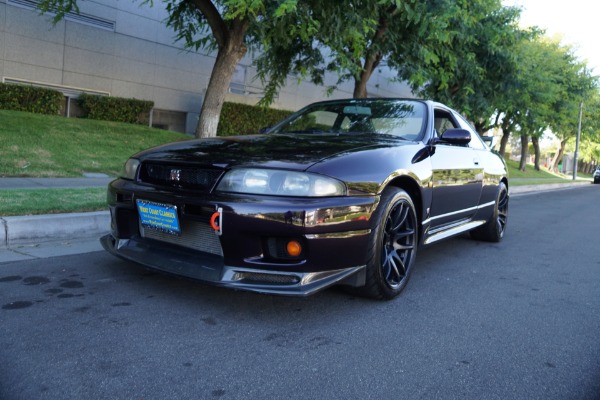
(494, 228)
(393, 246)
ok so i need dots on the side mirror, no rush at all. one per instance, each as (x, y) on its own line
(266, 129)
(456, 136)
(491, 141)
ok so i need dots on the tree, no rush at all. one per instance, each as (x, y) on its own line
(229, 26)
(352, 39)
(475, 77)
(578, 86)
(542, 94)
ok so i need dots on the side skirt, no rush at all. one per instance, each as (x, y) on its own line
(453, 230)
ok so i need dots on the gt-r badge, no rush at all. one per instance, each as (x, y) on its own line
(175, 175)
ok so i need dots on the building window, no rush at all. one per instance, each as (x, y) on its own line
(81, 18)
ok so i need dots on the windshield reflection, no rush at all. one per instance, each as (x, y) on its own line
(404, 119)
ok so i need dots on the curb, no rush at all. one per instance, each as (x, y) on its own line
(52, 227)
(544, 188)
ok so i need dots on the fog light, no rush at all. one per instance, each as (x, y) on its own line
(294, 248)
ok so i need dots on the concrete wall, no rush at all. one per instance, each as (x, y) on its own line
(138, 58)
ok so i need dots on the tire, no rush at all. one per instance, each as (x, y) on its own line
(494, 228)
(393, 246)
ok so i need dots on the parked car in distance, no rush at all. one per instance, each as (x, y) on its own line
(341, 192)
(596, 175)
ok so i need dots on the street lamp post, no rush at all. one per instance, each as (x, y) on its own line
(577, 142)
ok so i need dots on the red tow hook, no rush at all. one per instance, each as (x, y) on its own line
(216, 221)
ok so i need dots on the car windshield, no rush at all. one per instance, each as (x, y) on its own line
(401, 118)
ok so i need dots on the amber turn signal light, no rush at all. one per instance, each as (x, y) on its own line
(294, 248)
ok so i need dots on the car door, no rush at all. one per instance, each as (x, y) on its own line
(457, 176)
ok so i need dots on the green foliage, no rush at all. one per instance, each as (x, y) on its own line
(474, 76)
(116, 109)
(30, 98)
(242, 119)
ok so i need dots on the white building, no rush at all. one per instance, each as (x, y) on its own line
(123, 48)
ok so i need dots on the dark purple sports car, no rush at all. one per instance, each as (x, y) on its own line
(341, 192)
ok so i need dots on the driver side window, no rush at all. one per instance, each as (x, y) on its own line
(442, 121)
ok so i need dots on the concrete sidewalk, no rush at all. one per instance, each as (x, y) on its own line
(40, 236)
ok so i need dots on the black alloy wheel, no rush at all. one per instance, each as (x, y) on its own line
(493, 230)
(502, 215)
(394, 245)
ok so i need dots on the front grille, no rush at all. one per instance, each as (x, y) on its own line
(186, 177)
(194, 235)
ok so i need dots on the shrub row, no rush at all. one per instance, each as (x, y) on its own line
(236, 119)
(30, 99)
(117, 109)
(242, 119)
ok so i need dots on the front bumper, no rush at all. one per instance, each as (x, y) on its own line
(334, 232)
(209, 269)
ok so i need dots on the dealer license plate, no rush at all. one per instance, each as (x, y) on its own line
(162, 217)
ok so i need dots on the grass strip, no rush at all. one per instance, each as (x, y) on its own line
(51, 201)
(530, 182)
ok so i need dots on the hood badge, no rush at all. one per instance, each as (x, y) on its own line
(175, 175)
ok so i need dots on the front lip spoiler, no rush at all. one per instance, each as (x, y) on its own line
(210, 269)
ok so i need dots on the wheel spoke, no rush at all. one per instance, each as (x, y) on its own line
(394, 266)
(400, 218)
(408, 232)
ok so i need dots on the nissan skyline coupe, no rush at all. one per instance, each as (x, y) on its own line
(342, 192)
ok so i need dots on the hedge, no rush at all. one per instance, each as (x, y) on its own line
(30, 99)
(242, 119)
(116, 109)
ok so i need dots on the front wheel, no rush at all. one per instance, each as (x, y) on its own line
(493, 230)
(393, 246)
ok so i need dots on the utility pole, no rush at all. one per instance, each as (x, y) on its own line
(577, 142)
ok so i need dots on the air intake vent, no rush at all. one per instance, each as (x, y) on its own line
(70, 16)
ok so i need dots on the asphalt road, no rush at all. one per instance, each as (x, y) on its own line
(515, 320)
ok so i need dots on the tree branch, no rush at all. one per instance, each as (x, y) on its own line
(214, 20)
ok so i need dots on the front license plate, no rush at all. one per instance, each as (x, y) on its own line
(162, 217)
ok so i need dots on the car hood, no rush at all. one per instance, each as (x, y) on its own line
(299, 151)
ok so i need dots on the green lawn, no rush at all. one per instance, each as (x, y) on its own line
(50, 201)
(533, 177)
(36, 145)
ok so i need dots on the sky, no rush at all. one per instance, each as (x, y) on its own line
(577, 22)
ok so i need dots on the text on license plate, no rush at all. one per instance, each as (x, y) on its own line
(162, 217)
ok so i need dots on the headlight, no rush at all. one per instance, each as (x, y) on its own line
(281, 183)
(130, 169)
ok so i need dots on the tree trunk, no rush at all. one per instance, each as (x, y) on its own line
(360, 84)
(504, 141)
(479, 127)
(536, 146)
(372, 59)
(228, 56)
(524, 145)
(507, 127)
(360, 87)
(558, 157)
